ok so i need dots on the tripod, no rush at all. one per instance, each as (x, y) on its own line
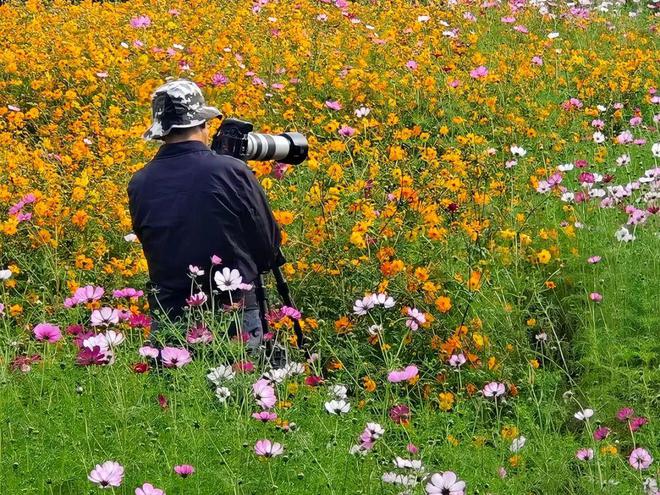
(285, 296)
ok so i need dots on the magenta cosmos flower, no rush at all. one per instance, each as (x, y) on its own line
(107, 475)
(640, 459)
(184, 470)
(48, 332)
(148, 489)
(446, 483)
(493, 389)
(400, 414)
(403, 375)
(266, 448)
(174, 357)
(333, 105)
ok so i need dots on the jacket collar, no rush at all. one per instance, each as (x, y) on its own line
(174, 149)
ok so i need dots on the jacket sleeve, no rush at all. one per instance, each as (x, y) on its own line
(257, 217)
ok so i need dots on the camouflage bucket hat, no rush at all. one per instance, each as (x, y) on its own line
(178, 104)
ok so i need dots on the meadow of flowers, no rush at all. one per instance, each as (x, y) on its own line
(472, 245)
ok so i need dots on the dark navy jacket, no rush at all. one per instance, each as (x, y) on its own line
(189, 204)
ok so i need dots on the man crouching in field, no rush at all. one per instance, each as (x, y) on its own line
(197, 213)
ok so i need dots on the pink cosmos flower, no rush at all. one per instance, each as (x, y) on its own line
(216, 260)
(148, 489)
(148, 351)
(127, 293)
(48, 332)
(107, 475)
(199, 335)
(184, 470)
(406, 374)
(584, 454)
(411, 64)
(416, 318)
(479, 72)
(412, 448)
(264, 416)
(2, 309)
(264, 393)
(89, 293)
(508, 19)
(596, 297)
(640, 459)
(141, 21)
(219, 79)
(333, 105)
(174, 357)
(346, 131)
(494, 389)
(446, 483)
(594, 259)
(536, 60)
(457, 360)
(197, 299)
(266, 448)
(104, 316)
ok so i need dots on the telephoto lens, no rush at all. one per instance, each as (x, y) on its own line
(235, 138)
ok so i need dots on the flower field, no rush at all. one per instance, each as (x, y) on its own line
(472, 245)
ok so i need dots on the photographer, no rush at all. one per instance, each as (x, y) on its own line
(189, 204)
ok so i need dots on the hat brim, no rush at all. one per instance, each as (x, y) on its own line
(156, 130)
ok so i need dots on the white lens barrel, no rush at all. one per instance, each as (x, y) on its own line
(262, 147)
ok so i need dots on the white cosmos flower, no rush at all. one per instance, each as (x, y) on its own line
(222, 393)
(220, 374)
(375, 329)
(114, 338)
(601, 108)
(566, 167)
(195, 270)
(339, 391)
(227, 279)
(295, 368)
(584, 414)
(5, 274)
(130, 237)
(362, 306)
(518, 151)
(624, 235)
(623, 160)
(402, 463)
(517, 443)
(105, 316)
(376, 430)
(96, 340)
(385, 300)
(598, 137)
(655, 149)
(567, 197)
(337, 407)
(400, 479)
(553, 35)
(276, 375)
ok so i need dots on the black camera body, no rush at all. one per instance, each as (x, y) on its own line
(235, 138)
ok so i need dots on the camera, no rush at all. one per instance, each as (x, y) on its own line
(235, 138)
